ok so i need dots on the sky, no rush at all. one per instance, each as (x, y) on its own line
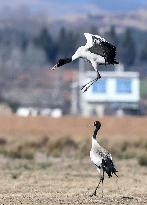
(62, 7)
(120, 5)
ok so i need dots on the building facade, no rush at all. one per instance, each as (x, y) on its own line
(115, 93)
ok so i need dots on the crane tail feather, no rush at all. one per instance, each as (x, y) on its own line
(108, 166)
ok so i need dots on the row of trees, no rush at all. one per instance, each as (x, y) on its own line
(64, 45)
(130, 52)
(24, 53)
(44, 48)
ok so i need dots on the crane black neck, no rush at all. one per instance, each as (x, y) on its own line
(95, 132)
(97, 125)
(63, 61)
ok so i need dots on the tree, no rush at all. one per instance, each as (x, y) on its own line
(61, 41)
(24, 44)
(94, 30)
(67, 42)
(113, 36)
(45, 41)
(128, 51)
(143, 53)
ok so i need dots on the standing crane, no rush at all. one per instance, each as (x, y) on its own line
(97, 50)
(101, 158)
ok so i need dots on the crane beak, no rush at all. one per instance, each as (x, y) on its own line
(53, 68)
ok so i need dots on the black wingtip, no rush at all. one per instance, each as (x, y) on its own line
(116, 62)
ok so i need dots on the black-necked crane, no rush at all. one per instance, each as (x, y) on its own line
(97, 50)
(101, 158)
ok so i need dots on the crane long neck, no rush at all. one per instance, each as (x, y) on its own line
(95, 133)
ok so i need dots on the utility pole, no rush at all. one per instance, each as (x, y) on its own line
(76, 108)
(80, 79)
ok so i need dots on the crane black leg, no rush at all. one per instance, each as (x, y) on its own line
(87, 85)
(101, 181)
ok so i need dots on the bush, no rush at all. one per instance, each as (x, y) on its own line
(143, 159)
(84, 148)
(62, 146)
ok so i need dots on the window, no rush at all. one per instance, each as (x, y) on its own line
(99, 86)
(123, 85)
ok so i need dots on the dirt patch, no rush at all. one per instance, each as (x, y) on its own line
(31, 175)
(64, 181)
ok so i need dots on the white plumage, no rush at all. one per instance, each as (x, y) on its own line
(97, 50)
(101, 158)
(87, 53)
(90, 41)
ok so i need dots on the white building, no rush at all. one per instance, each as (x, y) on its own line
(26, 111)
(30, 111)
(115, 93)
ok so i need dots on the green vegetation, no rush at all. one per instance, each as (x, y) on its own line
(128, 51)
(31, 53)
(70, 147)
(16, 153)
(143, 88)
(46, 48)
(143, 159)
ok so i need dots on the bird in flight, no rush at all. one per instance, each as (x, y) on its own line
(97, 50)
(101, 158)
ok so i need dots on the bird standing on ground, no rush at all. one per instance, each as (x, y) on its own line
(101, 158)
(97, 50)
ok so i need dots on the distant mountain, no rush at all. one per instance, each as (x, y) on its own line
(25, 14)
(64, 7)
(104, 20)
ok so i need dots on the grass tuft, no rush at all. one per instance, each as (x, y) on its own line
(143, 159)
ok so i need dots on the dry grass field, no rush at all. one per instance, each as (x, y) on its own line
(45, 161)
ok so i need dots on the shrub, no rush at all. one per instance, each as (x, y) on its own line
(62, 146)
(143, 159)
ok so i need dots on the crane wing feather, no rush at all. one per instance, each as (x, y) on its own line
(99, 46)
(92, 39)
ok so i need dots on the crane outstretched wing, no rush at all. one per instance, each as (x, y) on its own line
(92, 39)
(100, 46)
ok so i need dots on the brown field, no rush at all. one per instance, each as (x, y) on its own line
(45, 161)
(72, 126)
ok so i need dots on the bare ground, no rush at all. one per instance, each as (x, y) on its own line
(66, 181)
(47, 180)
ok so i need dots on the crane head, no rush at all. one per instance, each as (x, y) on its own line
(61, 62)
(97, 124)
